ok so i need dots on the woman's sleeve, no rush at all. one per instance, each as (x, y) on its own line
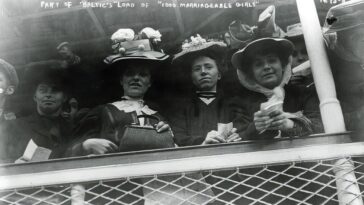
(109, 128)
(244, 122)
(86, 128)
(308, 120)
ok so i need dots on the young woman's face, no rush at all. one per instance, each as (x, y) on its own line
(136, 81)
(205, 74)
(267, 70)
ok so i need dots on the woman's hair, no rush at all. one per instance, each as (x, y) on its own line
(213, 55)
(265, 51)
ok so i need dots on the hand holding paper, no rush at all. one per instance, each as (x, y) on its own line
(263, 118)
(34, 153)
(228, 132)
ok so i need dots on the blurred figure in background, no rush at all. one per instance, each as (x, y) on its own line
(344, 35)
(301, 71)
(51, 124)
(8, 84)
(85, 79)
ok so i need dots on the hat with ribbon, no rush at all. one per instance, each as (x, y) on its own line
(241, 34)
(10, 73)
(344, 16)
(199, 46)
(128, 46)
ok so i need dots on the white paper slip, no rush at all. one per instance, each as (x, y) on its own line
(224, 129)
(34, 153)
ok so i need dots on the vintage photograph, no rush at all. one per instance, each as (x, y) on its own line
(181, 102)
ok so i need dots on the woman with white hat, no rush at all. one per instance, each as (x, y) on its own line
(134, 61)
(270, 107)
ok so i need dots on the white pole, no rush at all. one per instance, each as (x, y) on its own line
(331, 113)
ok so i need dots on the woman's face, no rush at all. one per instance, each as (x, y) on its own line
(267, 70)
(205, 74)
(299, 54)
(49, 99)
(136, 81)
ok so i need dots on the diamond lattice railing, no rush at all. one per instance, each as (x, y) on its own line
(312, 182)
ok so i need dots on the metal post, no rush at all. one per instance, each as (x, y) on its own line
(331, 113)
(78, 194)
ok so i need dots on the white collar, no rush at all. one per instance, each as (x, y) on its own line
(207, 101)
(131, 105)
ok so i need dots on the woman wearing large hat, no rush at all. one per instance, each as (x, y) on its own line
(270, 107)
(134, 60)
(195, 119)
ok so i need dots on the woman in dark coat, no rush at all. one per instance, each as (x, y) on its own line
(195, 119)
(270, 107)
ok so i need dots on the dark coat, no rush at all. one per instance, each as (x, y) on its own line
(349, 83)
(106, 122)
(50, 133)
(9, 152)
(297, 98)
(192, 119)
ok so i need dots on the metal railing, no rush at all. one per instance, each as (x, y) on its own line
(311, 170)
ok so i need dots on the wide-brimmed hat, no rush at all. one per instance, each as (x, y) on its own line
(243, 56)
(344, 16)
(50, 71)
(10, 72)
(199, 46)
(128, 46)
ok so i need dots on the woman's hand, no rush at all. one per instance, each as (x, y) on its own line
(261, 121)
(281, 120)
(213, 137)
(233, 136)
(99, 146)
(162, 127)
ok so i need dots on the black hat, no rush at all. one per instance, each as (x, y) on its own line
(284, 46)
(50, 72)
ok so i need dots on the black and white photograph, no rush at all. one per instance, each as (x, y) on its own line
(181, 102)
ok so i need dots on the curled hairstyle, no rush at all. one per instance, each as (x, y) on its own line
(248, 62)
